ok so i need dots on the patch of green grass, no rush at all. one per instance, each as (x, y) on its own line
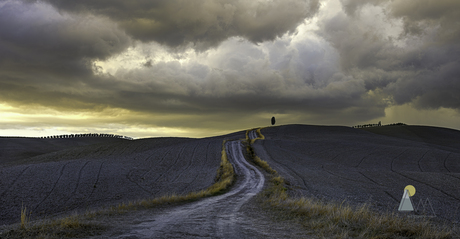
(71, 226)
(341, 220)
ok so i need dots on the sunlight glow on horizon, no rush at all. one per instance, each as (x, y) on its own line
(196, 75)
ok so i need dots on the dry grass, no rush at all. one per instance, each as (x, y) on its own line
(263, 164)
(259, 135)
(225, 177)
(68, 227)
(71, 226)
(333, 219)
(24, 217)
(341, 220)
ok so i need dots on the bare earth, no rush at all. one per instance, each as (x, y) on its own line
(341, 163)
(93, 176)
(54, 177)
(214, 217)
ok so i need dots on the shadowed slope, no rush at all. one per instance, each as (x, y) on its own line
(15, 149)
(436, 136)
(30, 150)
(87, 177)
(338, 163)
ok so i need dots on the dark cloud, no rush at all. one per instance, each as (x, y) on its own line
(421, 69)
(148, 63)
(244, 84)
(430, 88)
(418, 16)
(351, 6)
(238, 82)
(441, 17)
(39, 29)
(205, 23)
(355, 65)
(37, 44)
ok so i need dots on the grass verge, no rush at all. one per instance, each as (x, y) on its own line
(259, 135)
(340, 220)
(72, 226)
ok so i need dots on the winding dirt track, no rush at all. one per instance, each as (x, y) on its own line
(252, 134)
(214, 217)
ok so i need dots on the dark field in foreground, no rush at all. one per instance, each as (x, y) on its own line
(74, 175)
(59, 176)
(372, 165)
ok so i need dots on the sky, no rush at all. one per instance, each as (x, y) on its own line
(154, 68)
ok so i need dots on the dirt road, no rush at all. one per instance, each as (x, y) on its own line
(214, 217)
(252, 134)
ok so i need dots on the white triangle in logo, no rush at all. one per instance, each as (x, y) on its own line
(406, 203)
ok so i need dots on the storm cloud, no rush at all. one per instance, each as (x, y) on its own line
(42, 50)
(204, 64)
(408, 50)
(203, 23)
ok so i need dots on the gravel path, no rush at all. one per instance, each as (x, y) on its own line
(332, 163)
(214, 217)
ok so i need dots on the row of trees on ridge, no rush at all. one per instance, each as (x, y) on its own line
(376, 125)
(68, 136)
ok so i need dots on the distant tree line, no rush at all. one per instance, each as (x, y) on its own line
(376, 125)
(68, 136)
(395, 124)
(368, 125)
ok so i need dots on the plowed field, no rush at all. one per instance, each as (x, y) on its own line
(326, 162)
(75, 176)
(342, 163)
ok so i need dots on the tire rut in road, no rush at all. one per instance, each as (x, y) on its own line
(253, 134)
(214, 217)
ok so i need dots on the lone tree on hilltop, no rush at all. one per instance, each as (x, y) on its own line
(273, 120)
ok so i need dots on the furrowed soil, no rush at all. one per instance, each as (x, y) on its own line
(234, 214)
(59, 177)
(78, 177)
(373, 165)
